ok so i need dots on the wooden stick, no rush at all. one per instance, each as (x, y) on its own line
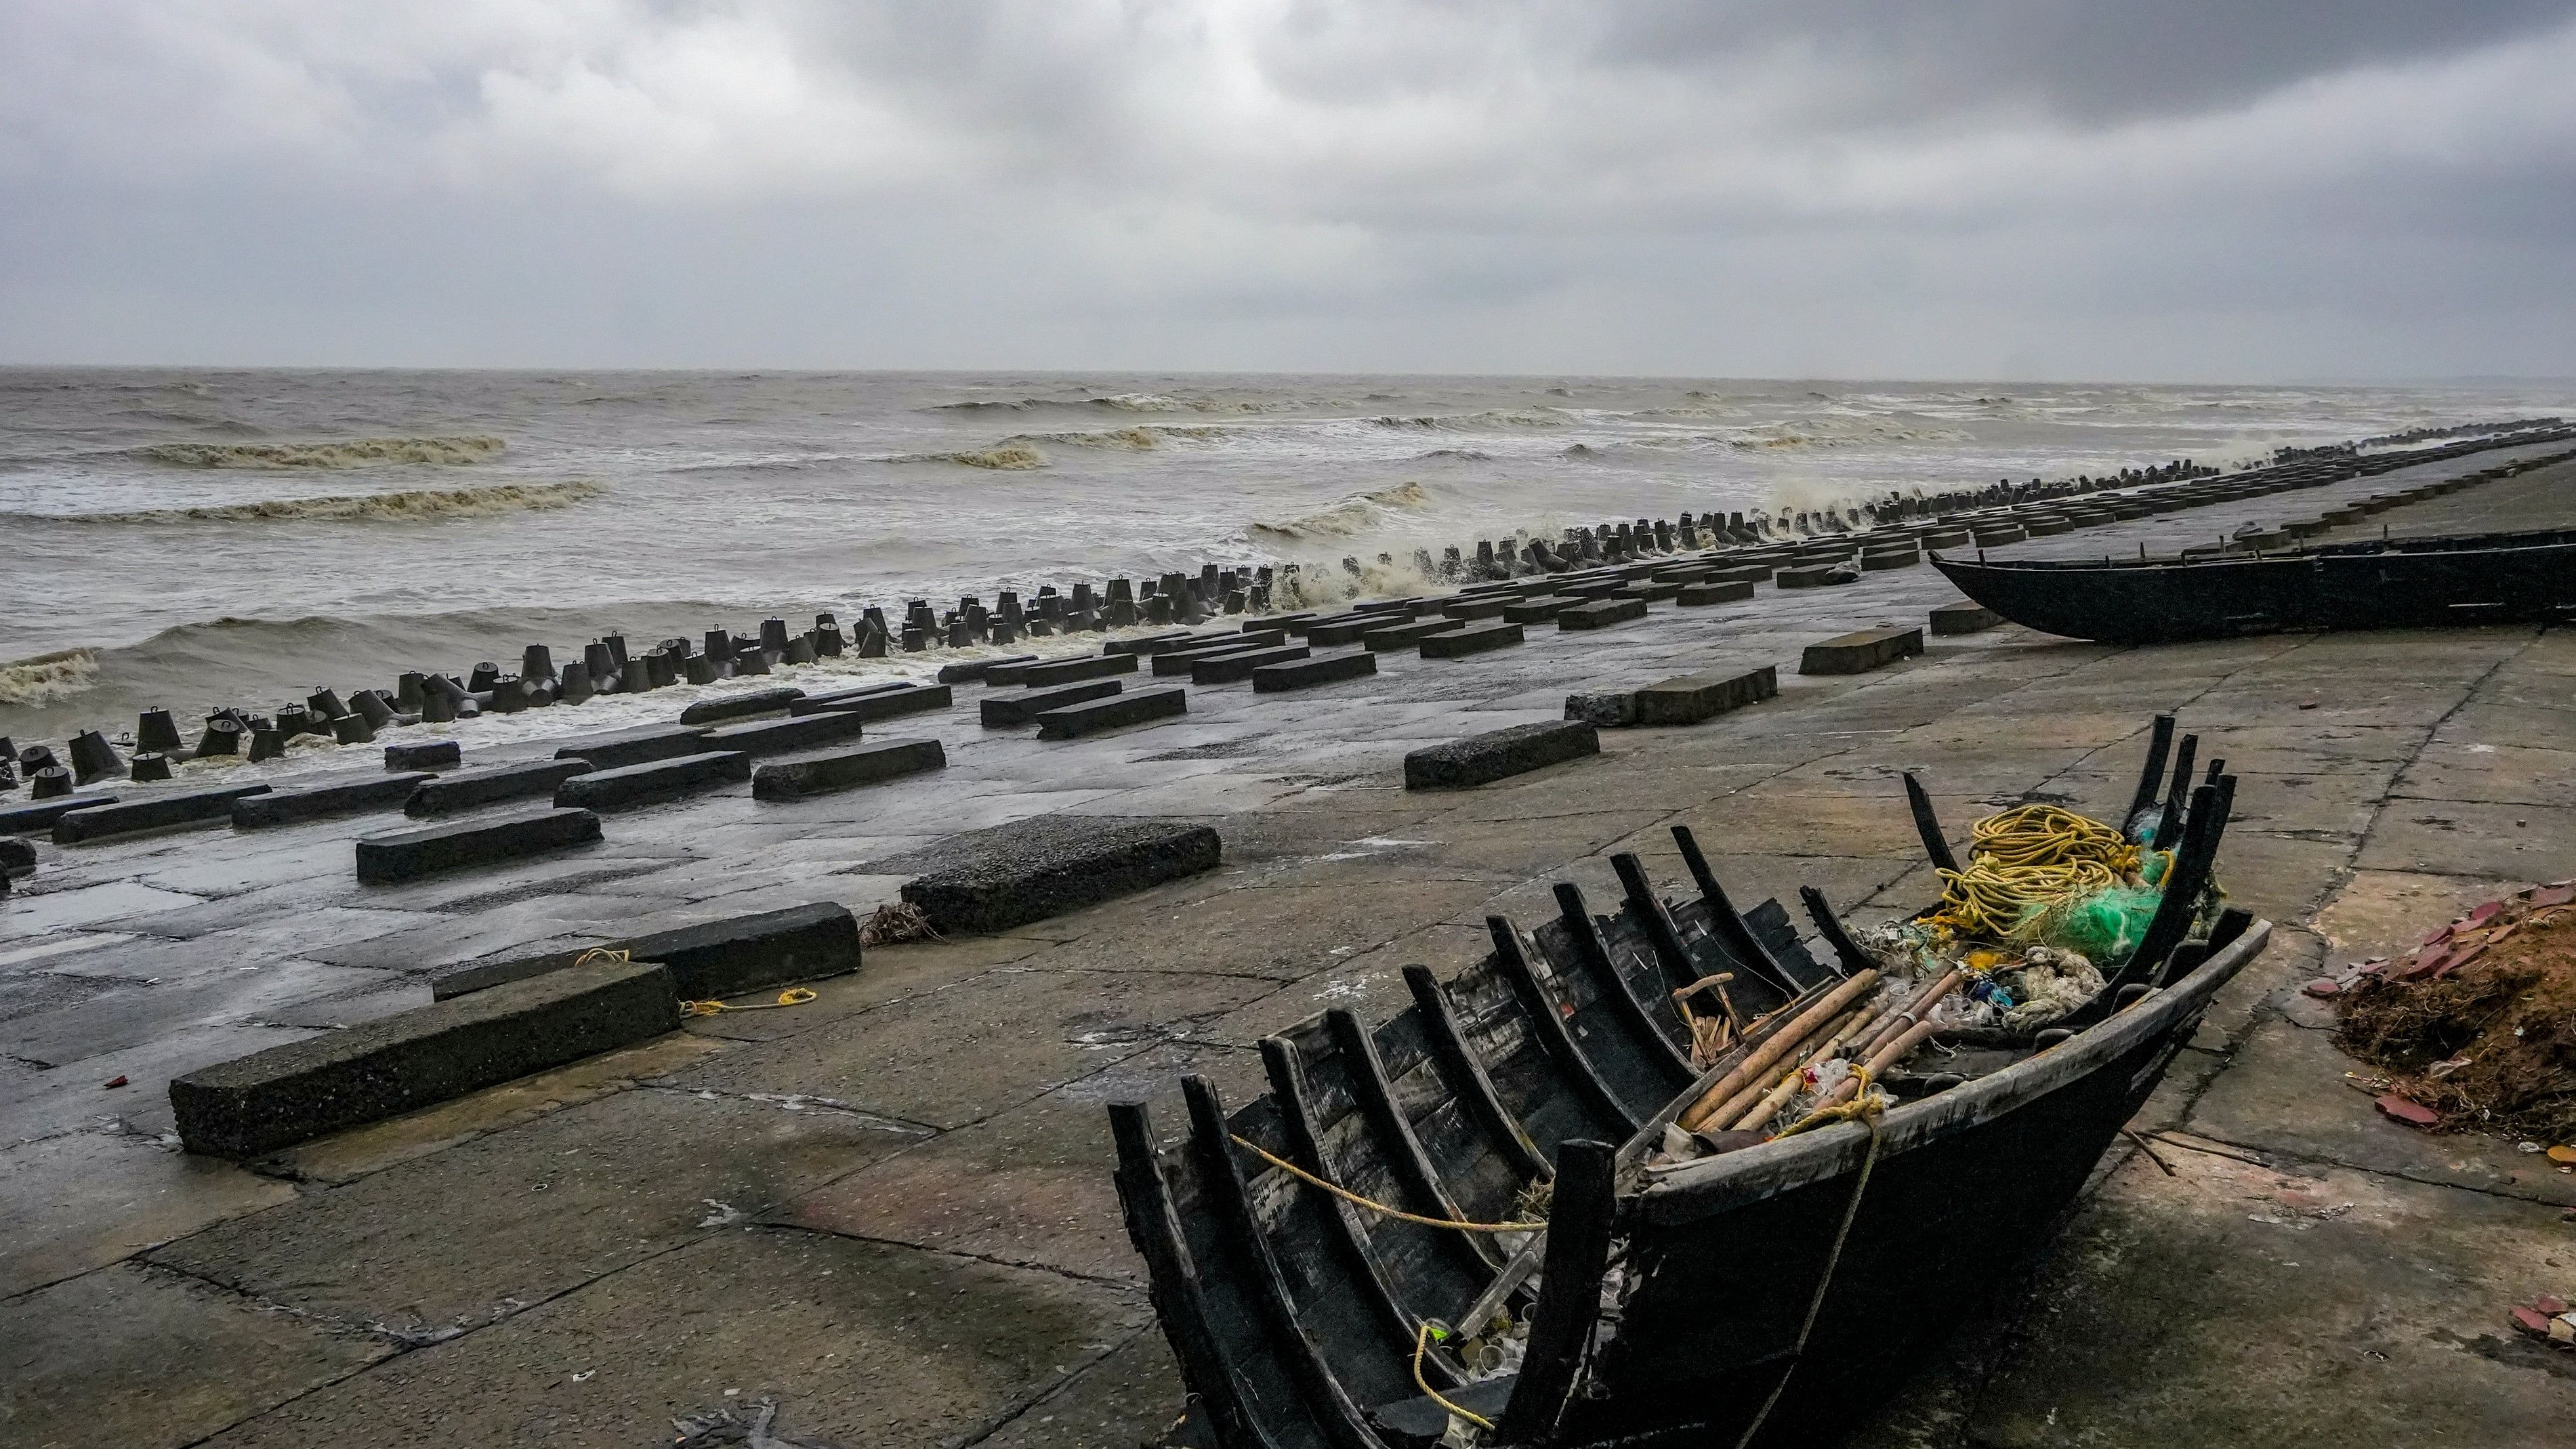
(1888, 1056)
(1805, 1024)
(1913, 1012)
(1836, 1033)
(1787, 1087)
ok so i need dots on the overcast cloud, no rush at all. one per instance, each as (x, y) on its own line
(1984, 188)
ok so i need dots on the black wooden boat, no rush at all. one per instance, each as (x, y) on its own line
(2402, 583)
(1767, 1293)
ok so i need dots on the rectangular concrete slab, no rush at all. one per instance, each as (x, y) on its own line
(426, 755)
(643, 784)
(1408, 635)
(1305, 673)
(618, 748)
(1004, 711)
(40, 815)
(823, 774)
(379, 1068)
(777, 736)
(967, 671)
(1723, 591)
(1147, 643)
(1070, 671)
(871, 705)
(1489, 606)
(1114, 712)
(467, 789)
(1236, 668)
(708, 960)
(992, 880)
(152, 812)
(1601, 614)
(741, 706)
(1497, 754)
(1964, 617)
(1861, 652)
(1343, 629)
(1691, 698)
(1179, 661)
(1473, 639)
(319, 802)
(410, 854)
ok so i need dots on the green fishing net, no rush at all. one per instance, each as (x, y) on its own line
(2105, 926)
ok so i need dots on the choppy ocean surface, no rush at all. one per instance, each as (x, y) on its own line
(194, 537)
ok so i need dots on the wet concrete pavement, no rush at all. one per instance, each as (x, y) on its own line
(888, 1211)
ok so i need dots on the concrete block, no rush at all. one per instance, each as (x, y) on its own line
(1236, 668)
(1964, 617)
(152, 812)
(1305, 673)
(409, 854)
(741, 706)
(411, 1059)
(1648, 591)
(466, 789)
(1860, 652)
(318, 802)
(1342, 629)
(967, 671)
(1956, 537)
(1998, 535)
(1875, 560)
(1690, 698)
(823, 774)
(778, 736)
(637, 746)
(1179, 661)
(1473, 639)
(1814, 576)
(1603, 709)
(1479, 759)
(871, 705)
(1409, 634)
(711, 960)
(41, 815)
(1729, 591)
(1071, 671)
(2048, 527)
(1539, 609)
(1601, 614)
(426, 755)
(1488, 606)
(1116, 711)
(1145, 643)
(653, 780)
(1003, 711)
(992, 880)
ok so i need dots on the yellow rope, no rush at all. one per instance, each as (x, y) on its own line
(1867, 1102)
(2030, 856)
(1355, 1200)
(1421, 1344)
(792, 996)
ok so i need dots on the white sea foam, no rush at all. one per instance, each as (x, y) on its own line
(411, 505)
(348, 453)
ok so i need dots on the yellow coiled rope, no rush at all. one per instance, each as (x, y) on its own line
(2030, 856)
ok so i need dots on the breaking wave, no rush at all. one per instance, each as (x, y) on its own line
(353, 453)
(1358, 514)
(1136, 439)
(1009, 456)
(410, 506)
(1456, 455)
(1122, 402)
(1472, 422)
(48, 677)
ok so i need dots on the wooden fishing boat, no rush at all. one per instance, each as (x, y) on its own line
(2400, 583)
(1766, 1293)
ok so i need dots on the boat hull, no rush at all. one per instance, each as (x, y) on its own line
(2406, 584)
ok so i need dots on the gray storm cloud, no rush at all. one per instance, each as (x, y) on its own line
(1995, 188)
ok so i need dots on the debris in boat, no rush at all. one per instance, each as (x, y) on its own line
(2477, 1026)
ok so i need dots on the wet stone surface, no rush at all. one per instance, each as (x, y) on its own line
(886, 1212)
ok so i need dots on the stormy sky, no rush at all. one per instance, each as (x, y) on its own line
(2187, 189)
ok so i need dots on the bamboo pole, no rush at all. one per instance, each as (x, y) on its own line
(1804, 1025)
(1787, 1087)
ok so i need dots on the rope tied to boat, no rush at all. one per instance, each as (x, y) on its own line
(1865, 1107)
(2026, 858)
(792, 996)
(1354, 1199)
(1422, 1345)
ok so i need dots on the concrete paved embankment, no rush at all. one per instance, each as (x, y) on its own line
(888, 1210)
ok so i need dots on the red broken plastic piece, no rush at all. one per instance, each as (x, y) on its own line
(2550, 1305)
(2412, 1113)
(2323, 986)
(2531, 1321)
(2557, 895)
(2483, 914)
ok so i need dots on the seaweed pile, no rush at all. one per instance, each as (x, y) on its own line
(2478, 1023)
